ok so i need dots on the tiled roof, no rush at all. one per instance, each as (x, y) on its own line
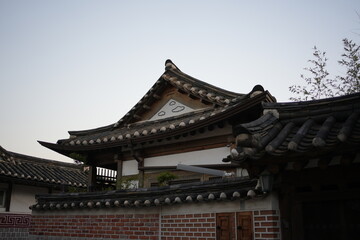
(181, 81)
(184, 83)
(20, 167)
(220, 190)
(301, 129)
(224, 104)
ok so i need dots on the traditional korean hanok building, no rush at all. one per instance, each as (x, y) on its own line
(179, 120)
(301, 161)
(21, 178)
(312, 152)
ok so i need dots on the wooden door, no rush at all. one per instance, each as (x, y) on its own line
(331, 220)
(225, 226)
(244, 226)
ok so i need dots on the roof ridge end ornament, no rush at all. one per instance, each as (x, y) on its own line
(170, 65)
(257, 89)
(272, 111)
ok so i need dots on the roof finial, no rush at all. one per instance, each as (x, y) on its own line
(170, 65)
(256, 90)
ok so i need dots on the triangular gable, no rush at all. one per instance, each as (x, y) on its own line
(189, 93)
(170, 109)
(170, 103)
(180, 89)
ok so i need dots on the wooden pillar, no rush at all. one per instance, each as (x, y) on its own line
(8, 196)
(119, 173)
(138, 156)
(92, 178)
(141, 173)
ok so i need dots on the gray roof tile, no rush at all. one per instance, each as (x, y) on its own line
(23, 167)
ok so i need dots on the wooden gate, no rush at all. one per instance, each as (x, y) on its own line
(244, 226)
(225, 226)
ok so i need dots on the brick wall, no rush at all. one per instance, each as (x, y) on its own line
(122, 226)
(188, 226)
(196, 226)
(266, 224)
(187, 221)
(14, 226)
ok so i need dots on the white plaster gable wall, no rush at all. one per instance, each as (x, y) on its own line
(170, 109)
(23, 196)
(203, 157)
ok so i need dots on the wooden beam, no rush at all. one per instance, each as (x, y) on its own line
(347, 159)
(274, 168)
(299, 165)
(323, 163)
(254, 171)
(212, 166)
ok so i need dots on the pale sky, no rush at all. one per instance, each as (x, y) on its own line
(82, 64)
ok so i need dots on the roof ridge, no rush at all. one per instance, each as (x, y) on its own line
(36, 160)
(170, 67)
(208, 85)
(313, 102)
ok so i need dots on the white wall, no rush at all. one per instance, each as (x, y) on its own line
(130, 167)
(203, 157)
(24, 196)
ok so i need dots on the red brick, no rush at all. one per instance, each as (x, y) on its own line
(260, 229)
(272, 218)
(267, 212)
(269, 235)
(269, 224)
(273, 229)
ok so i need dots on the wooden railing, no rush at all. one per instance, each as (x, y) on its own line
(104, 175)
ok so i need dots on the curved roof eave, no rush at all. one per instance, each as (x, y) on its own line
(225, 114)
